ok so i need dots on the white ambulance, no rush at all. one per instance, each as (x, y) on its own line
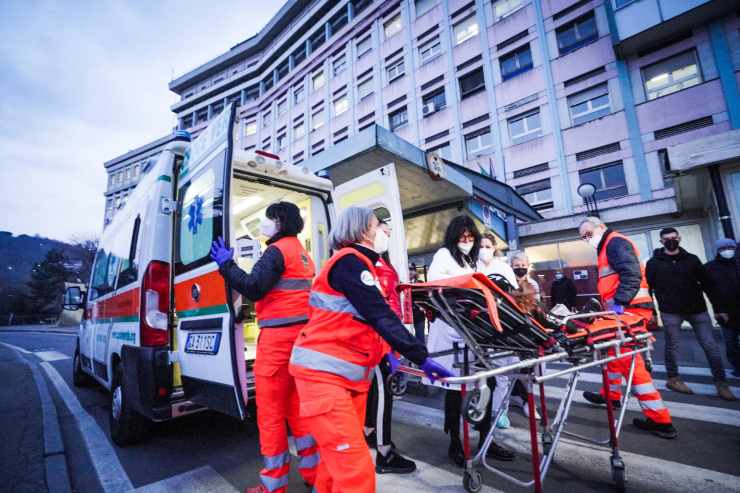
(161, 329)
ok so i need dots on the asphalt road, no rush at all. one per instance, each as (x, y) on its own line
(212, 452)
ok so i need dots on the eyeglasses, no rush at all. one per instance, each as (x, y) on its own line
(466, 236)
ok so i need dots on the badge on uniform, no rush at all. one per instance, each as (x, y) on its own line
(367, 278)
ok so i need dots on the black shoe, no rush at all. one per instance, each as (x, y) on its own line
(500, 452)
(456, 452)
(393, 463)
(663, 430)
(372, 440)
(599, 400)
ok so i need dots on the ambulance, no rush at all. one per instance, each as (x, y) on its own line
(161, 329)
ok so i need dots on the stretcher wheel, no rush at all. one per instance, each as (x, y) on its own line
(472, 481)
(397, 384)
(546, 442)
(618, 474)
(473, 412)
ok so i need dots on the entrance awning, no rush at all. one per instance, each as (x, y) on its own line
(714, 149)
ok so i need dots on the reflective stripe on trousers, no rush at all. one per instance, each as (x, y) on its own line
(648, 397)
(308, 452)
(275, 474)
(315, 360)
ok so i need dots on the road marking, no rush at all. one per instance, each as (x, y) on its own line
(24, 351)
(51, 355)
(590, 462)
(110, 472)
(201, 480)
(691, 371)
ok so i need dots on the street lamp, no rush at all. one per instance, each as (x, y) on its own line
(587, 191)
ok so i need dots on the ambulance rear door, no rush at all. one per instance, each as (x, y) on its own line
(378, 190)
(207, 343)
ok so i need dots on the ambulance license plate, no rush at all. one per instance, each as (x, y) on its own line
(203, 343)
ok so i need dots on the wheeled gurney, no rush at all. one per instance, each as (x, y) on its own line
(492, 325)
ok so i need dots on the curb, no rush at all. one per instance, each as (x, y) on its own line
(39, 331)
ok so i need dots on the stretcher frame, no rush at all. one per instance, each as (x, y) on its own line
(477, 368)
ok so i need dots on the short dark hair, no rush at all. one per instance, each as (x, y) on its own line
(667, 231)
(457, 226)
(288, 216)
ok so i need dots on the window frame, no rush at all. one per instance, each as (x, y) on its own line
(250, 125)
(396, 18)
(540, 201)
(678, 87)
(497, 17)
(434, 42)
(341, 98)
(579, 42)
(359, 43)
(322, 120)
(477, 152)
(515, 54)
(458, 40)
(336, 67)
(302, 126)
(299, 93)
(368, 81)
(601, 187)
(431, 97)
(395, 65)
(318, 75)
(474, 90)
(594, 113)
(529, 134)
(400, 111)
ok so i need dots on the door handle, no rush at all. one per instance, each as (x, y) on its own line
(195, 292)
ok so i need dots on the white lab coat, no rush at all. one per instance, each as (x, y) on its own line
(441, 335)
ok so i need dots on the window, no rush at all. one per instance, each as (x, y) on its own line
(341, 105)
(538, 193)
(201, 210)
(590, 104)
(298, 93)
(516, 62)
(266, 119)
(299, 130)
(317, 80)
(502, 8)
(281, 141)
(318, 38)
(282, 107)
(444, 151)
(622, 3)
(466, 29)
(577, 33)
(395, 70)
(299, 55)
(525, 127)
(429, 50)
(99, 285)
(471, 83)
(671, 75)
(365, 88)
(136, 170)
(398, 118)
(339, 64)
(364, 46)
(434, 101)
(251, 128)
(424, 6)
(129, 261)
(339, 21)
(476, 144)
(317, 120)
(392, 26)
(609, 180)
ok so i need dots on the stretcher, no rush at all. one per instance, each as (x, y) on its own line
(492, 325)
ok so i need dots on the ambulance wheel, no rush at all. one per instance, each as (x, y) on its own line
(397, 384)
(79, 377)
(472, 481)
(127, 427)
(472, 411)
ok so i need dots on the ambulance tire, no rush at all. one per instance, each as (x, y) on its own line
(127, 427)
(79, 377)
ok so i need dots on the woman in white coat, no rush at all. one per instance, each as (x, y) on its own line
(457, 257)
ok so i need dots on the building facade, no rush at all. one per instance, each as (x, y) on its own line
(542, 94)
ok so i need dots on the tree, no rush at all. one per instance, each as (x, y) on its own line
(86, 248)
(46, 286)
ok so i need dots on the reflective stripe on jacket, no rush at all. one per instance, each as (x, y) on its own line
(337, 345)
(286, 304)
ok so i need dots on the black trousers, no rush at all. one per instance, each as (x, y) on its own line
(379, 411)
(453, 413)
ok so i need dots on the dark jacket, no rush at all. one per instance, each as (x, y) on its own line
(265, 274)
(563, 291)
(622, 258)
(722, 283)
(677, 281)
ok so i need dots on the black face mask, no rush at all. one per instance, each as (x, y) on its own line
(520, 271)
(671, 245)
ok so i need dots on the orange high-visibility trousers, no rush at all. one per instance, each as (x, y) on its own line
(335, 416)
(277, 407)
(642, 386)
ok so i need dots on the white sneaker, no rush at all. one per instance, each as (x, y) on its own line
(525, 410)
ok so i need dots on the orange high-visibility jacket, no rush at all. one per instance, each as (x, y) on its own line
(642, 303)
(286, 304)
(336, 345)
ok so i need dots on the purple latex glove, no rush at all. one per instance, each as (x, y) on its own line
(219, 252)
(393, 362)
(434, 370)
(613, 307)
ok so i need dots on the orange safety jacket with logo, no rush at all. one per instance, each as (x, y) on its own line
(337, 345)
(609, 281)
(286, 304)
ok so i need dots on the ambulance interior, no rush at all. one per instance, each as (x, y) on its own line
(249, 202)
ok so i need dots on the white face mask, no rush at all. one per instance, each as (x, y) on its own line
(380, 243)
(465, 247)
(727, 253)
(595, 240)
(268, 227)
(485, 255)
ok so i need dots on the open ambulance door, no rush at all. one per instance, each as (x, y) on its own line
(378, 190)
(207, 342)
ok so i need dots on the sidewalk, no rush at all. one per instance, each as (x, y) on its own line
(690, 352)
(48, 328)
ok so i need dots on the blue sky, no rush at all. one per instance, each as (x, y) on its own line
(84, 81)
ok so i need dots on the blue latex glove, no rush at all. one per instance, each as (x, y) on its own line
(219, 252)
(393, 362)
(434, 370)
(613, 307)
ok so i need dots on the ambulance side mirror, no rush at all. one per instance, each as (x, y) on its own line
(74, 298)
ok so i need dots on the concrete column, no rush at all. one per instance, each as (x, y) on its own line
(452, 94)
(412, 105)
(727, 80)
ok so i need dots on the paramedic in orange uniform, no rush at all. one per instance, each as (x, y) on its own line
(623, 288)
(279, 283)
(351, 328)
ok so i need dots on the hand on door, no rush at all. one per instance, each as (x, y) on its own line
(219, 253)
